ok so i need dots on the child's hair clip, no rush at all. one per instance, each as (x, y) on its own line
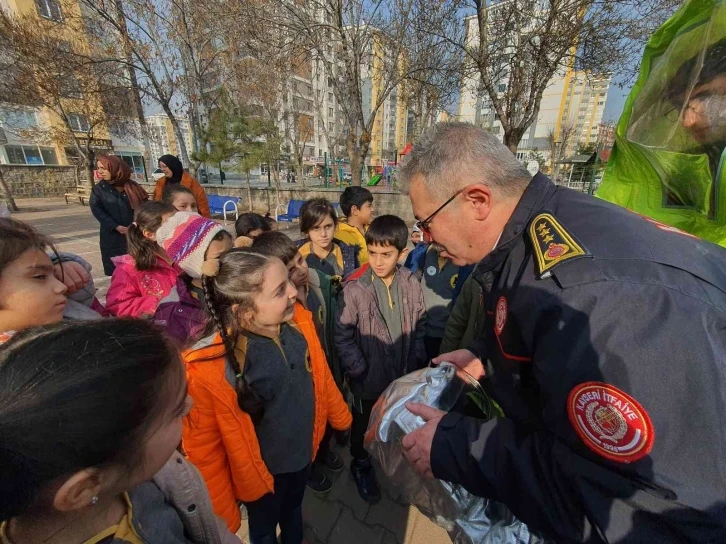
(210, 267)
(243, 241)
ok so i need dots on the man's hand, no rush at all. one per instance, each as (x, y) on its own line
(122, 230)
(465, 360)
(72, 274)
(417, 445)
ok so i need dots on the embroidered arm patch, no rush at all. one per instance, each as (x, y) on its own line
(552, 243)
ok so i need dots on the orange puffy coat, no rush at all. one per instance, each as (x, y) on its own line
(220, 439)
(193, 185)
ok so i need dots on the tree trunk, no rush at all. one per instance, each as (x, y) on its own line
(354, 160)
(89, 169)
(276, 178)
(249, 189)
(7, 194)
(128, 53)
(179, 135)
(512, 139)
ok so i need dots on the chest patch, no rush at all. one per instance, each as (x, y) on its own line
(552, 244)
(501, 316)
(610, 422)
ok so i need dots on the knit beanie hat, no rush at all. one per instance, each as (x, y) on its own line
(186, 236)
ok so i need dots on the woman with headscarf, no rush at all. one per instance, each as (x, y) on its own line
(174, 173)
(113, 201)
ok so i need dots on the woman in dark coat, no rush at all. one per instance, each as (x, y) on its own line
(112, 203)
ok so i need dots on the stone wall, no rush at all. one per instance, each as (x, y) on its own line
(264, 199)
(38, 181)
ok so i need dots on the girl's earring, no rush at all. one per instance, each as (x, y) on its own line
(94, 500)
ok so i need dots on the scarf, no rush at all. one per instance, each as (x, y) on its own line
(176, 167)
(121, 177)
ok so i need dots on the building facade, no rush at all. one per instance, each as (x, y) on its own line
(38, 136)
(162, 138)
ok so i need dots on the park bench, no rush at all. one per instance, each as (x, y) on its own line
(80, 192)
(292, 211)
(221, 205)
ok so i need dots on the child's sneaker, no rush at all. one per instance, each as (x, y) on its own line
(318, 481)
(365, 478)
(333, 462)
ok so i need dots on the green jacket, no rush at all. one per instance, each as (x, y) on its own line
(466, 318)
(326, 288)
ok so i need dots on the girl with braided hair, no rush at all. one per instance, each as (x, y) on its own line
(263, 395)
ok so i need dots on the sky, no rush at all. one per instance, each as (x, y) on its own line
(615, 101)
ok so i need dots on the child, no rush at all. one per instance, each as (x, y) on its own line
(378, 333)
(441, 281)
(90, 455)
(30, 294)
(317, 292)
(262, 396)
(416, 236)
(147, 274)
(27, 302)
(322, 250)
(180, 197)
(271, 222)
(251, 225)
(357, 206)
(189, 240)
(466, 317)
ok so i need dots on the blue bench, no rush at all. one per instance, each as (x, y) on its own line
(221, 205)
(292, 211)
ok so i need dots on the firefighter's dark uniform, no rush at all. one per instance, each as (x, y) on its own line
(605, 346)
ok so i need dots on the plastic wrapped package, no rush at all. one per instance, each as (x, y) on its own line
(467, 519)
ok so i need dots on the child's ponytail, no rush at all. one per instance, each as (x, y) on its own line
(239, 277)
(147, 219)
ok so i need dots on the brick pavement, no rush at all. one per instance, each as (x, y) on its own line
(337, 517)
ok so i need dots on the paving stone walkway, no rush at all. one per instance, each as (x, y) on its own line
(337, 517)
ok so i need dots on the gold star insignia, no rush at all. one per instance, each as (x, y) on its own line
(548, 239)
(541, 226)
(544, 232)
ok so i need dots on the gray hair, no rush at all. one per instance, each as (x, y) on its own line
(452, 155)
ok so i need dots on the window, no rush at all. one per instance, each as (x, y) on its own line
(30, 154)
(78, 122)
(49, 9)
(136, 162)
(330, 112)
(71, 88)
(15, 154)
(502, 87)
(330, 97)
(601, 103)
(496, 129)
(18, 120)
(49, 156)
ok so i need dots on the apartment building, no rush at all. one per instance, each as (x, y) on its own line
(571, 109)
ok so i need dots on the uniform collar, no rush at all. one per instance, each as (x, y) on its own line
(539, 191)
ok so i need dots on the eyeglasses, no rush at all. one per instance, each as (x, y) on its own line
(425, 225)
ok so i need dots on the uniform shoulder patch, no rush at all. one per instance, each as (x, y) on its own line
(552, 243)
(610, 422)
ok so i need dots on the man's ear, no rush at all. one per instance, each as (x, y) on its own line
(149, 234)
(78, 491)
(354, 210)
(479, 198)
(404, 252)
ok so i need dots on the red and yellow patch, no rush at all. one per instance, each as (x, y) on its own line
(552, 244)
(610, 422)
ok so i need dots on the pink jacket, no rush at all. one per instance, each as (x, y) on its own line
(136, 293)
